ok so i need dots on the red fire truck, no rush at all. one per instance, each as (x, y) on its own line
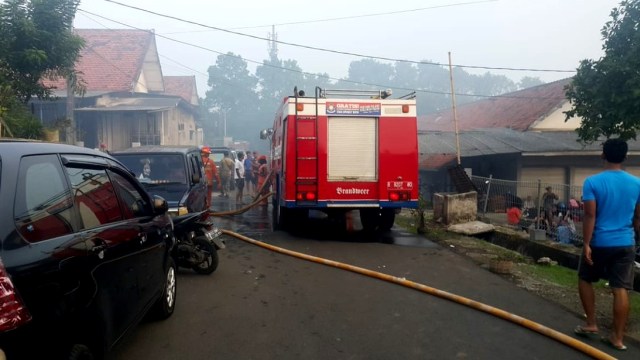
(343, 150)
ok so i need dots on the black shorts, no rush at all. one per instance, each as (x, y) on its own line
(612, 263)
(240, 184)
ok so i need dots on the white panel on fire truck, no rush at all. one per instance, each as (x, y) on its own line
(352, 149)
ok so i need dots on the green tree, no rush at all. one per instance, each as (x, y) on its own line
(277, 79)
(370, 71)
(232, 95)
(528, 81)
(35, 43)
(605, 93)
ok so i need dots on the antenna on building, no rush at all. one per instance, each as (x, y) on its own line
(273, 43)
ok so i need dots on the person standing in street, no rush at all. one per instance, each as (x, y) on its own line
(262, 174)
(239, 177)
(227, 167)
(248, 173)
(548, 202)
(611, 217)
(210, 171)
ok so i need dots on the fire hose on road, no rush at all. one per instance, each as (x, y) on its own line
(556, 335)
(529, 324)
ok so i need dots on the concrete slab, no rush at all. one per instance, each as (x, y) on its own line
(471, 228)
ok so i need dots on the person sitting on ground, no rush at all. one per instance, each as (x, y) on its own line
(564, 233)
(540, 222)
(514, 215)
(529, 207)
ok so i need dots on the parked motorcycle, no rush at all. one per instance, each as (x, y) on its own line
(197, 242)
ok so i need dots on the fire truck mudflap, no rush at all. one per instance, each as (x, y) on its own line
(344, 150)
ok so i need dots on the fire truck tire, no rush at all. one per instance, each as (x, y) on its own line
(370, 218)
(279, 217)
(284, 217)
(387, 218)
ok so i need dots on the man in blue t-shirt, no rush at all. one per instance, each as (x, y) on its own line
(611, 214)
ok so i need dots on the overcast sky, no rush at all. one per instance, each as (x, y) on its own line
(532, 34)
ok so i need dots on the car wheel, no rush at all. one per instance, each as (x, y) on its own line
(166, 304)
(80, 352)
(209, 263)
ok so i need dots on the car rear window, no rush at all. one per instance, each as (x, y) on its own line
(156, 168)
(43, 206)
(94, 197)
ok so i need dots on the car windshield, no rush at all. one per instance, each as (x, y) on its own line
(156, 168)
(216, 157)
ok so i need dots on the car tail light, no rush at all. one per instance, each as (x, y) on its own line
(13, 312)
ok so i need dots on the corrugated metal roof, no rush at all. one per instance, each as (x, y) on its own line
(517, 110)
(505, 141)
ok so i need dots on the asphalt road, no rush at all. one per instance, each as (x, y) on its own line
(265, 305)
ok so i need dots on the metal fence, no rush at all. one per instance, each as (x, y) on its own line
(530, 205)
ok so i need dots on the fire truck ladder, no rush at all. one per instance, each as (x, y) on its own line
(371, 94)
(306, 135)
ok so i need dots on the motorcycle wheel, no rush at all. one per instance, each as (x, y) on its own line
(210, 262)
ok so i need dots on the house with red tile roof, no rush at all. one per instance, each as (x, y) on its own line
(520, 136)
(183, 86)
(126, 101)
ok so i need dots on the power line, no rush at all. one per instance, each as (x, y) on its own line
(312, 74)
(336, 51)
(348, 17)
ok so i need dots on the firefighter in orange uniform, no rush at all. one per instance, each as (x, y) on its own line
(210, 171)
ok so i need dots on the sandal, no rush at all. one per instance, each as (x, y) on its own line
(579, 330)
(608, 342)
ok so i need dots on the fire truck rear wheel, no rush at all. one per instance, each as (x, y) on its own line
(387, 218)
(370, 218)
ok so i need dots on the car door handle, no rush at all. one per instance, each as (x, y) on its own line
(142, 237)
(99, 249)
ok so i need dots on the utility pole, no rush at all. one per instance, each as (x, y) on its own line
(71, 128)
(273, 43)
(71, 100)
(453, 104)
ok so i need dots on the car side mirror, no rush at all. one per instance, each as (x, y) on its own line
(265, 133)
(160, 205)
(195, 179)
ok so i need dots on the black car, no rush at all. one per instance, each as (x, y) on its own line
(84, 252)
(174, 172)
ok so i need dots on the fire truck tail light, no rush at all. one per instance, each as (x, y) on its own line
(300, 107)
(306, 196)
(405, 109)
(13, 312)
(399, 196)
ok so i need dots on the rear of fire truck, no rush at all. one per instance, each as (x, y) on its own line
(344, 150)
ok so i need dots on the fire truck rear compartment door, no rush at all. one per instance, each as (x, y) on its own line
(352, 149)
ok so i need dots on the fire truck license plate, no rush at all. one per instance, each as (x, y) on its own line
(399, 185)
